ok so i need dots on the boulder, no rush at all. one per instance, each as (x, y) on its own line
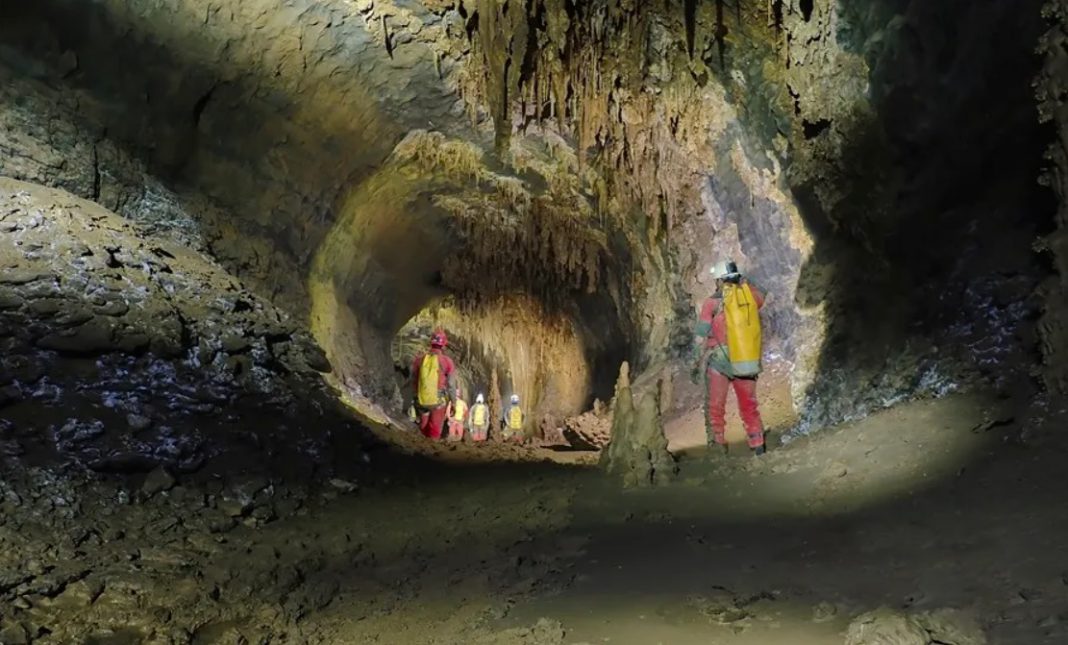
(92, 337)
(158, 481)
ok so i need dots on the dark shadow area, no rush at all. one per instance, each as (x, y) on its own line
(924, 262)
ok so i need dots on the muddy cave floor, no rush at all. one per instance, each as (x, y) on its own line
(927, 506)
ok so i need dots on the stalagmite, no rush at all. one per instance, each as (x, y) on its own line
(496, 409)
(638, 449)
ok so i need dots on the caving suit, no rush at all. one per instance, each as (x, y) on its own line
(456, 420)
(719, 377)
(479, 422)
(432, 415)
(513, 423)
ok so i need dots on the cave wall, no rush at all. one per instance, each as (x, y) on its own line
(122, 351)
(257, 116)
(263, 130)
(923, 255)
(1051, 89)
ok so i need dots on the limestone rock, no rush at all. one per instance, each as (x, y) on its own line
(150, 313)
(233, 507)
(885, 627)
(589, 431)
(92, 337)
(952, 626)
(15, 634)
(138, 422)
(10, 299)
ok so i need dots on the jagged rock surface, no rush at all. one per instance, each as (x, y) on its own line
(591, 430)
(126, 352)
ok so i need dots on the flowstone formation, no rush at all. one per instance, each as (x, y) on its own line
(638, 452)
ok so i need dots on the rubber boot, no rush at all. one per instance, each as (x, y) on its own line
(759, 450)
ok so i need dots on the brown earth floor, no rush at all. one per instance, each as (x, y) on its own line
(930, 505)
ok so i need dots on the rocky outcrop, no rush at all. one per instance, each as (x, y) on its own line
(125, 352)
(887, 627)
(591, 430)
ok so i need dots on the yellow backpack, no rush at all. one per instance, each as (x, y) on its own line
(743, 329)
(515, 418)
(478, 415)
(430, 394)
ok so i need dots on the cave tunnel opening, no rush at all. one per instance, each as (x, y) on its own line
(388, 275)
(558, 362)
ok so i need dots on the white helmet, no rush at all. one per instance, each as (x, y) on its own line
(725, 269)
(480, 399)
(515, 398)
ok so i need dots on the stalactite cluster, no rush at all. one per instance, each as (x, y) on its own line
(536, 241)
(590, 69)
(433, 152)
(537, 350)
(544, 242)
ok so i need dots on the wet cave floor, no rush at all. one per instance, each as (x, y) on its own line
(933, 510)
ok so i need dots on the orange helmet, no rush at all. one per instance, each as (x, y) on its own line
(438, 340)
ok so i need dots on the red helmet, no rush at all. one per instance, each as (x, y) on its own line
(438, 339)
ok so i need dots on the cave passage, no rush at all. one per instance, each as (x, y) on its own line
(435, 240)
(227, 229)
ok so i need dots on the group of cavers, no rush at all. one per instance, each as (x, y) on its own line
(438, 406)
(726, 355)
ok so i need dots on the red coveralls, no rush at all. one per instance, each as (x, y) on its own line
(432, 421)
(718, 384)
